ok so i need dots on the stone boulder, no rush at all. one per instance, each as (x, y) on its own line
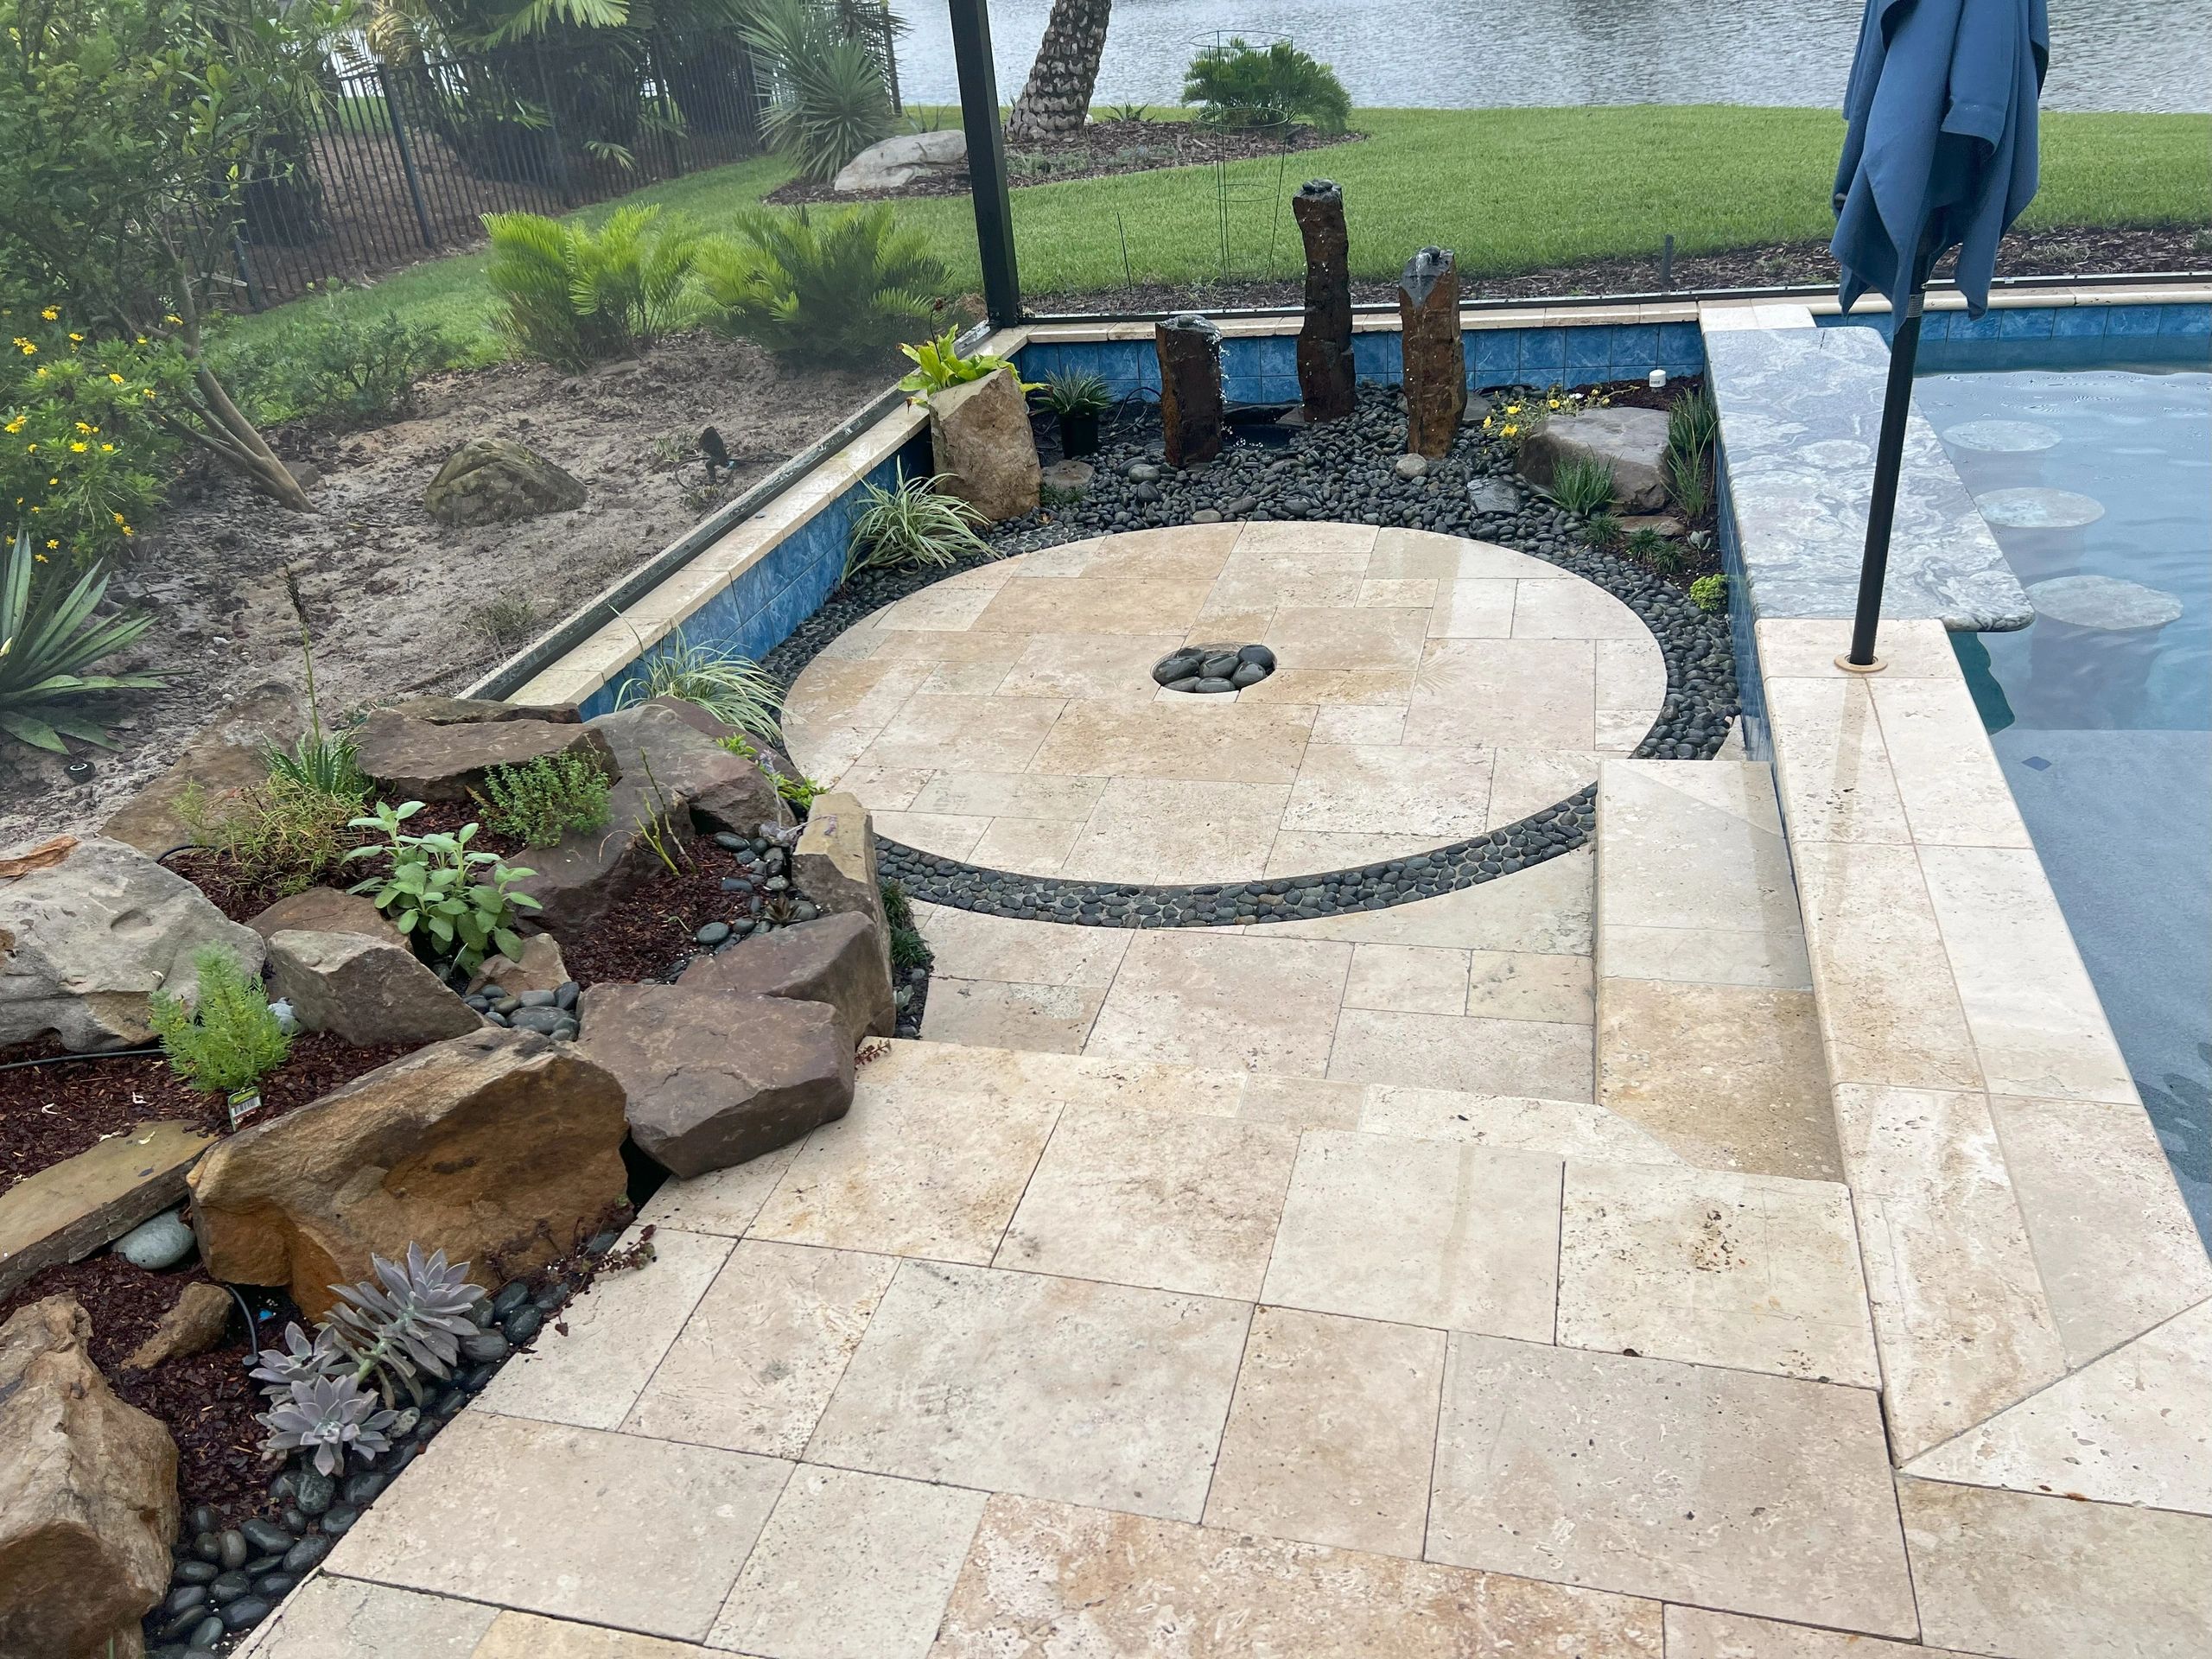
(88, 1505)
(1632, 442)
(88, 929)
(417, 759)
(985, 449)
(679, 742)
(490, 480)
(715, 1079)
(834, 865)
(735, 801)
(326, 909)
(194, 1323)
(538, 968)
(223, 758)
(367, 991)
(470, 711)
(499, 1148)
(897, 162)
(837, 960)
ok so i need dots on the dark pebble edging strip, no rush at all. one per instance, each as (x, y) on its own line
(1346, 472)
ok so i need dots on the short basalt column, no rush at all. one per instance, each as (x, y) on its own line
(1326, 383)
(1435, 357)
(1190, 387)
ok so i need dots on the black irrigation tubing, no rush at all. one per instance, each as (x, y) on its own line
(69, 1059)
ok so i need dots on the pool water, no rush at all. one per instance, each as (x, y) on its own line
(2098, 483)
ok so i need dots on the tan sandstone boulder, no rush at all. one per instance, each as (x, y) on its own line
(88, 1502)
(413, 759)
(834, 865)
(985, 449)
(366, 989)
(497, 1148)
(835, 960)
(326, 909)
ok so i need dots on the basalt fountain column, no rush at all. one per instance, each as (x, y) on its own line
(1190, 387)
(1325, 380)
(1435, 356)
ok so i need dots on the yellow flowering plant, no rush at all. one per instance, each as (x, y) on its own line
(1517, 417)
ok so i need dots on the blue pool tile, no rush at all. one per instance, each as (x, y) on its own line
(1375, 357)
(1494, 351)
(2132, 320)
(1589, 354)
(2033, 323)
(1543, 354)
(1986, 327)
(2185, 320)
(1634, 349)
(2079, 322)
(1682, 342)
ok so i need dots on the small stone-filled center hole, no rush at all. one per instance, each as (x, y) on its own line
(1214, 669)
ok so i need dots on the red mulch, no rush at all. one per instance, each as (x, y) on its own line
(51, 1112)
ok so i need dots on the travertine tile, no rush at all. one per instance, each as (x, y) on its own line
(1333, 637)
(1425, 553)
(1947, 775)
(1054, 604)
(1527, 985)
(1331, 1432)
(982, 677)
(1830, 765)
(2037, 1026)
(2115, 1246)
(1247, 1000)
(1028, 846)
(345, 1618)
(1527, 781)
(1697, 1633)
(834, 692)
(885, 789)
(1301, 1103)
(947, 835)
(1473, 609)
(1417, 592)
(1758, 1494)
(1171, 1201)
(758, 1359)
(964, 734)
(530, 1635)
(1356, 723)
(1545, 909)
(1158, 830)
(1715, 1269)
(1318, 546)
(2134, 1427)
(1047, 1580)
(908, 1176)
(1323, 687)
(1729, 1076)
(724, 1202)
(1175, 553)
(1491, 1057)
(1088, 664)
(1051, 1388)
(1573, 610)
(651, 1536)
(1807, 647)
(1420, 1232)
(615, 1334)
(1009, 795)
(1959, 1311)
(1310, 852)
(1413, 979)
(1772, 961)
(1632, 678)
(1239, 743)
(1691, 845)
(1538, 693)
(1563, 1129)
(949, 606)
(850, 1567)
(2005, 1572)
(972, 945)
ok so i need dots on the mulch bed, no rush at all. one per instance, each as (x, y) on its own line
(1101, 147)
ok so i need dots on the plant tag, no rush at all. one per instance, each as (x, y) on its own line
(245, 1103)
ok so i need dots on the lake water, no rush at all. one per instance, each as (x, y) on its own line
(2106, 55)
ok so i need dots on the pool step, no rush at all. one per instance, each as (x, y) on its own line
(1707, 1033)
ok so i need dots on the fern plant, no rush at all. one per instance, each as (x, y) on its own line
(572, 296)
(827, 97)
(1239, 85)
(46, 644)
(911, 524)
(228, 1038)
(732, 687)
(836, 289)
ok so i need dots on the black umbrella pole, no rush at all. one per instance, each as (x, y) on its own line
(1881, 509)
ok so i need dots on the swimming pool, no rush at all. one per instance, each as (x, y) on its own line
(2098, 483)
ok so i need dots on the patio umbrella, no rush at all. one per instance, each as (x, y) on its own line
(1940, 153)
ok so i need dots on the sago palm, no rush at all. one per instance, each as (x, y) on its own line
(46, 645)
(837, 288)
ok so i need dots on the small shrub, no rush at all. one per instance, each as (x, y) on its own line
(451, 903)
(1583, 487)
(47, 638)
(828, 99)
(1692, 430)
(1710, 594)
(1239, 85)
(1072, 393)
(541, 800)
(1602, 531)
(573, 297)
(228, 1038)
(911, 525)
(282, 835)
(1655, 553)
(909, 950)
(833, 289)
(939, 367)
(732, 687)
(345, 372)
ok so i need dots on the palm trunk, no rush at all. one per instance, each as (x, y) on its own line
(1058, 96)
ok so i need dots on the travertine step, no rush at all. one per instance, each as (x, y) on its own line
(1706, 1032)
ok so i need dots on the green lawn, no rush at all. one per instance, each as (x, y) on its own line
(1510, 190)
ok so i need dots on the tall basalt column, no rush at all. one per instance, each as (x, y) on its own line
(1325, 381)
(1190, 387)
(1435, 356)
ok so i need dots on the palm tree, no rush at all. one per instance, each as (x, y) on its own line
(1058, 96)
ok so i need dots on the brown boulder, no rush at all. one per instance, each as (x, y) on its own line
(1631, 441)
(192, 1325)
(834, 865)
(367, 991)
(499, 1148)
(224, 757)
(87, 1495)
(715, 1079)
(470, 711)
(835, 960)
(326, 909)
(432, 761)
(538, 968)
(985, 450)
(736, 800)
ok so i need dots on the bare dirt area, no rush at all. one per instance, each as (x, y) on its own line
(400, 605)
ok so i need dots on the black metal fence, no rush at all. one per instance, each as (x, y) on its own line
(405, 158)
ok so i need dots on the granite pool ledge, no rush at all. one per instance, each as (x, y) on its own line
(1800, 410)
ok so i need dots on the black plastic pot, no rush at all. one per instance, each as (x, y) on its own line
(1079, 434)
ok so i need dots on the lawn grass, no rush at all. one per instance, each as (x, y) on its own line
(1510, 190)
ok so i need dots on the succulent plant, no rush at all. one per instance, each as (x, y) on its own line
(333, 1415)
(415, 1317)
(300, 1360)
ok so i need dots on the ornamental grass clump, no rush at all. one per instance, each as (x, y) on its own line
(910, 525)
(1582, 487)
(1692, 430)
(539, 801)
(732, 688)
(227, 1038)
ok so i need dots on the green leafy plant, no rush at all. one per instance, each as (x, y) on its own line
(939, 366)
(344, 373)
(1582, 487)
(800, 790)
(828, 98)
(732, 687)
(912, 523)
(1710, 594)
(46, 644)
(284, 835)
(1692, 430)
(228, 1038)
(541, 800)
(835, 288)
(909, 950)
(1072, 393)
(1602, 531)
(1138, 112)
(1238, 84)
(448, 902)
(572, 296)
(1657, 553)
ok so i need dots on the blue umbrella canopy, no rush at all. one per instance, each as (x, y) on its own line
(1940, 148)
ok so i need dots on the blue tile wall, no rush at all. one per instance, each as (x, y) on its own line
(1750, 689)
(2050, 322)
